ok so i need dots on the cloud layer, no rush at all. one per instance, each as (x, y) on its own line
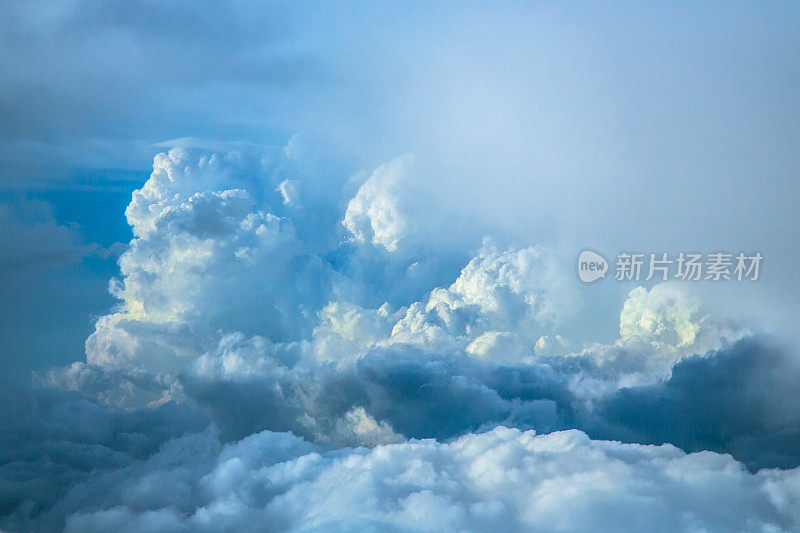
(504, 478)
(282, 343)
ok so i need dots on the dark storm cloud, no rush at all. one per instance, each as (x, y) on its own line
(51, 440)
(419, 395)
(740, 400)
(737, 400)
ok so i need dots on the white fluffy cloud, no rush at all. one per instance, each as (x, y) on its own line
(206, 258)
(504, 479)
(347, 331)
(377, 214)
(210, 258)
(657, 329)
(665, 316)
(498, 307)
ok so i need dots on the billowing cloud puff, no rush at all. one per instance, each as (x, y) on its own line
(210, 258)
(731, 401)
(229, 307)
(376, 214)
(126, 388)
(658, 328)
(498, 307)
(346, 331)
(247, 385)
(204, 262)
(358, 426)
(663, 316)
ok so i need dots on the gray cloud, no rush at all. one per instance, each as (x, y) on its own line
(112, 78)
(47, 289)
(736, 401)
(31, 238)
(52, 440)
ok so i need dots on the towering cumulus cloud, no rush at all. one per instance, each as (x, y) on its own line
(293, 350)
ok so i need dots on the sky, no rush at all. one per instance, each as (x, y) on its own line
(256, 248)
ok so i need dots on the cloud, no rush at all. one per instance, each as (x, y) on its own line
(657, 329)
(289, 321)
(123, 388)
(735, 400)
(504, 478)
(203, 262)
(717, 401)
(358, 426)
(49, 287)
(30, 237)
(375, 214)
(217, 250)
(109, 75)
(256, 319)
(52, 440)
(513, 295)
(145, 472)
(274, 339)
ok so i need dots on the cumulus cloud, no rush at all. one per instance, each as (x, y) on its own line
(734, 400)
(216, 250)
(280, 342)
(301, 338)
(211, 257)
(509, 297)
(203, 262)
(358, 426)
(230, 307)
(376, 214)
(657, 329)
(347, 332)
(424, 396)
(131, 388)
